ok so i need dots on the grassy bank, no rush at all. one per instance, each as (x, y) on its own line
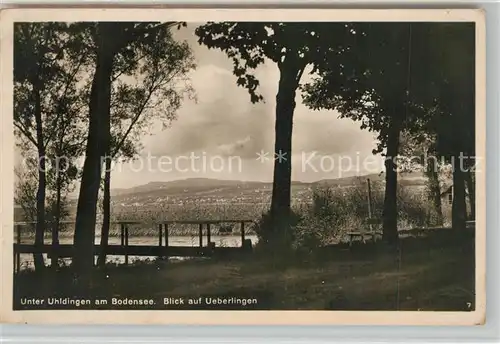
(434, 273)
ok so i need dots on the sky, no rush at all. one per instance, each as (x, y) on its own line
(221, 133)
(223, 127)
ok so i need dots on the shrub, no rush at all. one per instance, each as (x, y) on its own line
(413, 208)
(271, 238)
(335, 211)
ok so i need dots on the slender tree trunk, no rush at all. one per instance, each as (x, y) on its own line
(458, 209)
(96, 142)
(390, 211)
(290, 74)
(40, 211)
(106, 214)
(56, 227)
(40, 194)
(57, 224)
(472, 194)
(434, 190)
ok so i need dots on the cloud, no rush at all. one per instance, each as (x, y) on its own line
(222, 115)
(224, 122)
(237, 148)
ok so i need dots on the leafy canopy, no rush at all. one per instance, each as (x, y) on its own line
(291, 45)
(418, 74)
(372, 85)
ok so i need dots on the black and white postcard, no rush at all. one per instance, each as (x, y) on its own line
(238, 166)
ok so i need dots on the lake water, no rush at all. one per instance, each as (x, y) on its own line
(188, 240)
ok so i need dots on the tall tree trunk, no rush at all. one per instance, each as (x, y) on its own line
(472, 194)
(290, 73)
(57, 225)
(40, 210)
(106, 214)
(434, 190)
(390, 211)
(40, 194)
(99, 123)
(458, 208)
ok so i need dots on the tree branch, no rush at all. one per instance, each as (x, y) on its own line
(26, 133)
(134, 120)
(115, 77)
(129, 37)
(66, 87)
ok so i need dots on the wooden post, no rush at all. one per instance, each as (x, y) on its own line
(369, 198)
(369, 203)
(166, 234)
(160, 238)
(122, 234)
(242, 233)
(17, 254)
(208, 234)
(126, 244)
(14, 258)
(166, 238)
(55, 244)
(201, 234)
(160, 234)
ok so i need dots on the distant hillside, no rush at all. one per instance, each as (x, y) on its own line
(176, 186)
(201, 184)
(415, 179)
(205, 190)
(192, 185)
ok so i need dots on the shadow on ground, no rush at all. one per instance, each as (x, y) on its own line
(435, 273)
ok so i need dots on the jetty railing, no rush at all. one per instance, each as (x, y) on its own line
(56, 250)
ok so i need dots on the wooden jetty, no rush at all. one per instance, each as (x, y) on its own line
(205, 248)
